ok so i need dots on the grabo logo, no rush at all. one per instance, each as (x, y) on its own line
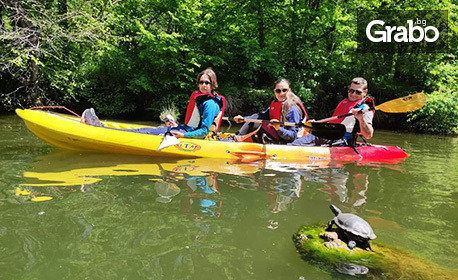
(401, 33)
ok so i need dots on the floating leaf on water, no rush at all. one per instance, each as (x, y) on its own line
(41, 198)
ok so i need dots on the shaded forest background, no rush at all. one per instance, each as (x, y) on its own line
(130, 58)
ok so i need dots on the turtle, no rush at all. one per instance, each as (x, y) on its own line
(354, 227)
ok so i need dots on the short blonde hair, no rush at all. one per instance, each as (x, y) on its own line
(211, 74)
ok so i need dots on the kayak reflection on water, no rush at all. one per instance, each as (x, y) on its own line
(199, 178)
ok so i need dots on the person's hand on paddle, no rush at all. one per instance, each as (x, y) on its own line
(177, 134)
(358, 113)
(274, 123)
(239, 119)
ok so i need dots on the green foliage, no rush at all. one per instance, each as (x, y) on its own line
(246, 101)
(439, 115)
(137, 56)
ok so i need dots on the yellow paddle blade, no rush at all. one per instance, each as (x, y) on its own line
(404, 104)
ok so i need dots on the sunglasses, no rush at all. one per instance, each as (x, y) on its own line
(357, 91)
(204, 82)
(277, 90)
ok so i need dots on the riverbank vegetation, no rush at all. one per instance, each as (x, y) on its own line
(131, 58)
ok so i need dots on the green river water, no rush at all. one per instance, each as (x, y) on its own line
(128, 217)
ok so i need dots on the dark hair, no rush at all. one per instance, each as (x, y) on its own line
(360, 81)
(211, 74)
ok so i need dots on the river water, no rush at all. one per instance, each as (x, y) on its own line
(128, 217)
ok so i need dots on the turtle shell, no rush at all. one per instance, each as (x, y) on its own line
(354, 225)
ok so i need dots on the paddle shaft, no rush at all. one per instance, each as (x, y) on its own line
(332, 131)
(268, 121)
(399, 105)
(341, 116)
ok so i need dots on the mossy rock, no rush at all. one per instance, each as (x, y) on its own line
(384, 262)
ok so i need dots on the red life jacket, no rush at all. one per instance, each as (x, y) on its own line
(275, 110)
(345, 106)
(193, 117)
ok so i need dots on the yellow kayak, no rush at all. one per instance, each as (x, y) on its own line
(66, 131)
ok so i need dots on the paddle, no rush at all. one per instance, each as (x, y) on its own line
(331, 131)
(169, 140)
(399, 105)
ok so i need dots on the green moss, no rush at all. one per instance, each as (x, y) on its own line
(384, 263)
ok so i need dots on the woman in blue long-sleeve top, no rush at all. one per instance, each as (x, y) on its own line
(204, 112)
